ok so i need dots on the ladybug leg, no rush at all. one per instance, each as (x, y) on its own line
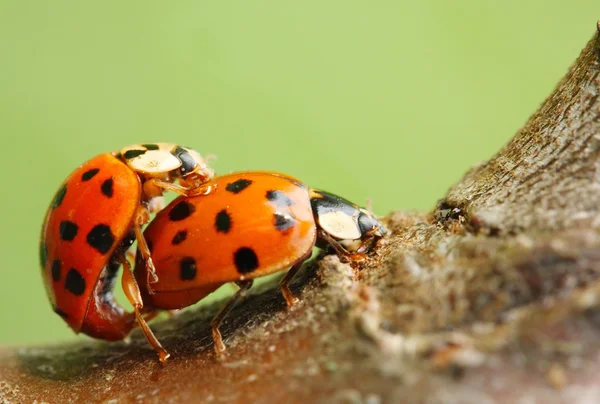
(340, 250)
(132, 292)
(141, 218)
(290, 299)
(366, 244)
(216, 322)
(154, 187)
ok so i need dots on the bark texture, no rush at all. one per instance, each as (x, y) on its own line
(491, 297)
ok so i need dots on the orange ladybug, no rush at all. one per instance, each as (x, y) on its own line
(250, 225)
(93, 219)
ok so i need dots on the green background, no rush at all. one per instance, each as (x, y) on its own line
(389, 100)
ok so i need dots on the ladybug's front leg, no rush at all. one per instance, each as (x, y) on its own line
(141, 218)
(340, 250)
(155, 187)
(367, 244)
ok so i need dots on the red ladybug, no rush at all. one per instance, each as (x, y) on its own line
(94, 218)
(250, 225)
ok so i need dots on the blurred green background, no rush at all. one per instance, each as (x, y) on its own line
(389, 100)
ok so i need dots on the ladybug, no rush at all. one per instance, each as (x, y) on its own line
(93, 219)
(250, 225)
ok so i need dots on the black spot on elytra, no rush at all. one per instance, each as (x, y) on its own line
(60, 312)
(238, 186)
(74, 282)
(60, 195)
(179, 237)
(101, 238)
(181, 211)
(129, 154)
(68, 230)
(283, 221)
(245, 260)
(187, 269)
(43, 254)
(223, 221)
(279, 198)
(107, 188)
(56, 270)
(150, 146)
(89, 174)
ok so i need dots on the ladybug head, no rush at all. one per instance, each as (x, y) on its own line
(193, 169)
(369, 225)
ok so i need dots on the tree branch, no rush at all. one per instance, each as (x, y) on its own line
(491, 296)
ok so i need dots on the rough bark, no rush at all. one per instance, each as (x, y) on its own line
(491, 297)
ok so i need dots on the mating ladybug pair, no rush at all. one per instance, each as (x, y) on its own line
(232, 228)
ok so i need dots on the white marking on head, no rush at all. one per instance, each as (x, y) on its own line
(339, 225)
